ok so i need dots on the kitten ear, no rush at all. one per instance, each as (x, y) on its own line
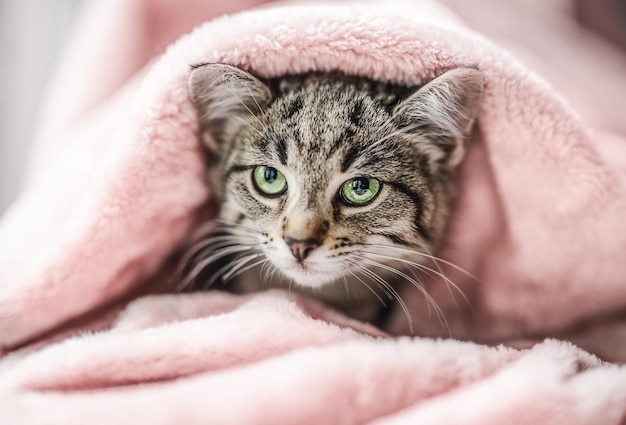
(444, 110)
(223, 95)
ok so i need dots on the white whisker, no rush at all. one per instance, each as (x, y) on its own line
(215, 240)
(422, 267)
(408, 278)
(389, 288)
(429, 256)
(354, 275)
(202, 264)
(225, 270)
(240, 269)
(232, 226)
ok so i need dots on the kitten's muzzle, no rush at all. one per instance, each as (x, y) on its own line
(301, 248)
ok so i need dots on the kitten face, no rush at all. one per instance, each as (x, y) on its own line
(334, 177)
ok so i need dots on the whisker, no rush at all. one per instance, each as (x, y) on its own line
(265, 267)
(429, 256)
(226, 269)
(345, 285)
(222, 224)
(214, 244)
(240, 269)
(388, 287)
(214, 233)
(238, 263)
(226, 250)
(215, 240)
(354, 275)
(422, 267)
(408, 278)
(448, 282)
(272, 271)
(202, 255)
(202, 264)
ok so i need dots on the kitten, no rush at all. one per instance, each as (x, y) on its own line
(328, 184)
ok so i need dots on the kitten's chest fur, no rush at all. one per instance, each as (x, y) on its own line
(328, 185)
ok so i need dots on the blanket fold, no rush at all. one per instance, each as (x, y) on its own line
(536, 244)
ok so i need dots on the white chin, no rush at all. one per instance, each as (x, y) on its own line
(308, 277)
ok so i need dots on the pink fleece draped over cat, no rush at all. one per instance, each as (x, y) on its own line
(117, 182)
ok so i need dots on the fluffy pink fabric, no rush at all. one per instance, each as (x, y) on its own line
(117, 182)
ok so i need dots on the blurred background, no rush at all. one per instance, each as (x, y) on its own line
(32, 34)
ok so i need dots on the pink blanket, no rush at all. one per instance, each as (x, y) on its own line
(116, 184)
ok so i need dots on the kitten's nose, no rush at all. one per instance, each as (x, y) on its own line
(301, 248)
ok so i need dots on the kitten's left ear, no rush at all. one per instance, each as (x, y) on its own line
(444, 110)
(223, 95)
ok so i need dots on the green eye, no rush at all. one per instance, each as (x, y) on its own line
(359, 190)
(269, 181)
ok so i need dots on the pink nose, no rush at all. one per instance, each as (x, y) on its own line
(301, 248)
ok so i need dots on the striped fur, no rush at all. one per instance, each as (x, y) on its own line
(320, 130)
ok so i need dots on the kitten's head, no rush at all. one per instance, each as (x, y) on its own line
(334, 174)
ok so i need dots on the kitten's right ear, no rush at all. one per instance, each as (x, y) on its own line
(445, 109)
(223, 95)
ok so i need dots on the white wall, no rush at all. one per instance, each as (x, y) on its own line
(31, 35)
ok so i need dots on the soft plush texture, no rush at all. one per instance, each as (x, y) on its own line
(117, 183)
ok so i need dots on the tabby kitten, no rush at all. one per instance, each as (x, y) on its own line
(328, 184)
